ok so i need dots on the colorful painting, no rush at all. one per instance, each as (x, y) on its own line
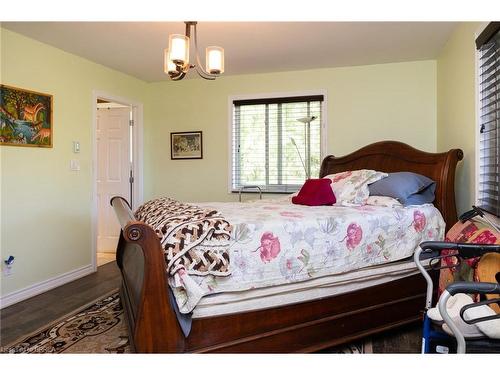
(25, 118)
(186, 145)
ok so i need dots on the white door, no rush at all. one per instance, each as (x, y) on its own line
(113, 171)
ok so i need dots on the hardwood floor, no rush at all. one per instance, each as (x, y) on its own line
(29, 315)
(103, 258)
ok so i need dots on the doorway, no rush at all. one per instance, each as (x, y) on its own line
(116, 169)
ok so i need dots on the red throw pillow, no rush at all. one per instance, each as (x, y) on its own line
(315, 192)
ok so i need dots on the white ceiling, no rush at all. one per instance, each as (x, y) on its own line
(136, 48)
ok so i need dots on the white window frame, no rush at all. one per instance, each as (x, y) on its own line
(478, 117)
(323, 125)
(477, 107)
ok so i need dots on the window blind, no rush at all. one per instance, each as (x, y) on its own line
(271, 148)
(488, 44)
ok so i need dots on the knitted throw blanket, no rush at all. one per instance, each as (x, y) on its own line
(193, 239)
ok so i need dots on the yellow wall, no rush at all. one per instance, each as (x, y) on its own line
(46, 207)
(456, 103)
(365, 104)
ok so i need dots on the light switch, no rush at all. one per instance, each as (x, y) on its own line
(76, 147)
(74, 165)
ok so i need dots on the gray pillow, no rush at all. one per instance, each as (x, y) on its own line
(407, 187)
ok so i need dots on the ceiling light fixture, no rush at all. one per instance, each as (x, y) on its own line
(176, 56)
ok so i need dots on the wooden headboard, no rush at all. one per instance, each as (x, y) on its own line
(392, 156)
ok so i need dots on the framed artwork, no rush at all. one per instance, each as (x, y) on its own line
(25, 117)
(186, 145)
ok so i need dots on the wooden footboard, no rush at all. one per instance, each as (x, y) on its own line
(144, 288)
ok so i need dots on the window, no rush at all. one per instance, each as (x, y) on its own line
(276, 142)
(488, 43)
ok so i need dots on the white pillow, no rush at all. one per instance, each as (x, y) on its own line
(351, 187)
(380, 200)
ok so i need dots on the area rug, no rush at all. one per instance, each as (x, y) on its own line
(359, 347)
(101, 327)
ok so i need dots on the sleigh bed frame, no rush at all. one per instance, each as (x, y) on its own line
(303, 327)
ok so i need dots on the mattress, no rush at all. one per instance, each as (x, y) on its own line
(282, 295)
(276, 243)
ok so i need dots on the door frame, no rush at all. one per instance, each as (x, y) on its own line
(137, 165)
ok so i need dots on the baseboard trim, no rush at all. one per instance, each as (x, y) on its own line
(44, 286)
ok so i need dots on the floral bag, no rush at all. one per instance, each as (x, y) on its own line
(472, 231)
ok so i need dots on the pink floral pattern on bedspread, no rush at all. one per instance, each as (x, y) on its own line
(276, 242)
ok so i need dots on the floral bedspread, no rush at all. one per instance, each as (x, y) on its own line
(275, 242)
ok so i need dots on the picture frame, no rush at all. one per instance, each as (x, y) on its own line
(26, 117)
(186, 145)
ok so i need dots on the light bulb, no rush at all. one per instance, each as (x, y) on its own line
(168, 65)
(178, 45)
(215, 60)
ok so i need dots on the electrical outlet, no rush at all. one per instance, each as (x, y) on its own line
(7, 265)
(7, 271)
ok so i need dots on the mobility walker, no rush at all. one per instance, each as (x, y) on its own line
(434, 338)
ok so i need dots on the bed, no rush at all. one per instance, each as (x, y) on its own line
(294, 327)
